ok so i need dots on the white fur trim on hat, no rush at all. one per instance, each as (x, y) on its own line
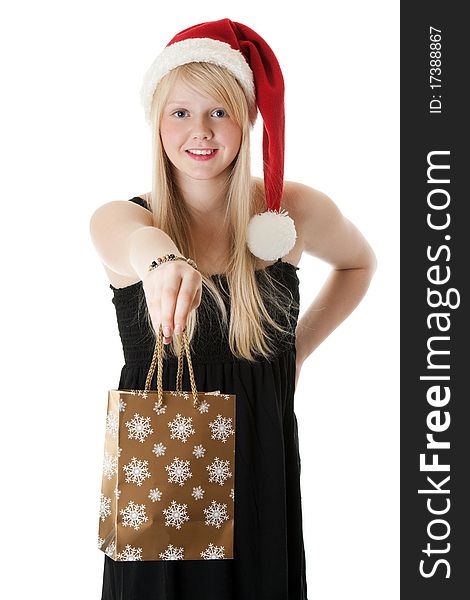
(197, 50)
(271, 235)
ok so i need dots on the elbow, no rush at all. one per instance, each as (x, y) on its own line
(373, 263)
(369, 260)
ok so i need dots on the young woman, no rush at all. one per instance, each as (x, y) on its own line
(233, 286)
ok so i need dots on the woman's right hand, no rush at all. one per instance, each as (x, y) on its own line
(172, 290)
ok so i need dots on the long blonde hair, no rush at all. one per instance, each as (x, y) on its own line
(248, 315)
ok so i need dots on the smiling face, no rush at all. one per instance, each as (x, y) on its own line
(192, 121)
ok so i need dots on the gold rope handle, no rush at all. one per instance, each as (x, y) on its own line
(158, 358)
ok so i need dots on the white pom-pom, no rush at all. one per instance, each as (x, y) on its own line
(271, 235)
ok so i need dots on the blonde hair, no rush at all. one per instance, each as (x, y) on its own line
(248, 316)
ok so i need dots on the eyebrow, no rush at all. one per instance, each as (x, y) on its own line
(179, 102)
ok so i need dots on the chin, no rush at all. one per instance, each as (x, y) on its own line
(204, 177)
(204, 172)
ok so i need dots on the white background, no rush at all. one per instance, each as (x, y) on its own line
(74, 137)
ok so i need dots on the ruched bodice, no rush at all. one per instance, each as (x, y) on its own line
(210, 340)
(269, 557)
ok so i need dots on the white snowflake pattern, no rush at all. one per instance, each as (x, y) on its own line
(172, 553)
(105, 509)
(204, 407)
(136, 471)
(139, 428)
(155, 495)
(232, 494)
(160, 410)
(176, 514)
(133, 515)
(216, 514)
(110, 465)
(119, 452)
(181, 428)
(221, 428)
(182, 393)
(226, 396)
(199, 451)
(100, 542)
(212, 552)
(117, 492)
(214, 393)
(122, 405)
(130, 553)
(111, 549)
(159, 449)
(198, 493)
(112, 424)
(219, 471)
(178, 471)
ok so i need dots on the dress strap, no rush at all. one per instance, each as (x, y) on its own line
(140, 201)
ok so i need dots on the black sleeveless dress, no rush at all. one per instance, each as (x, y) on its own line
(269, 557)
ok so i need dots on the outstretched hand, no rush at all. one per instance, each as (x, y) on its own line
(172, 291)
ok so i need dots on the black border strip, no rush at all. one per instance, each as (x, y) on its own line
(435, 553)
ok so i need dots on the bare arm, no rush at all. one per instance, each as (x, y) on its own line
(125, 239)
(127, 242)
(330, 236)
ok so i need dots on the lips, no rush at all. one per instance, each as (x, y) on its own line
(201, 149)
(202, 156)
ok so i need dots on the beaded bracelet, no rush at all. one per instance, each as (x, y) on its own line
(161, 259)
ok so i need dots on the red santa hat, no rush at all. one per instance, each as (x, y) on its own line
(251, 61)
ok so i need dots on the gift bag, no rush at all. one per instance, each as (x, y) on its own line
(168, 487)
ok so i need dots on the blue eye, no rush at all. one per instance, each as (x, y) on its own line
(219, 110)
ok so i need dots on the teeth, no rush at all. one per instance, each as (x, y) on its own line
(200, 151)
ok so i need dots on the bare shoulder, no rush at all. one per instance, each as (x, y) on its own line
(306, 206)
(299, 199)
(323, 229)
(302, 199)
(110, 222)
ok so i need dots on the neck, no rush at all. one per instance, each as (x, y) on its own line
(206, 199)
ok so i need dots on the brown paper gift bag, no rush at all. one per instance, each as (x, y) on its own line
(168, 486)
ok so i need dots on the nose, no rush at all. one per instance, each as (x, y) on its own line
(201, 129)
